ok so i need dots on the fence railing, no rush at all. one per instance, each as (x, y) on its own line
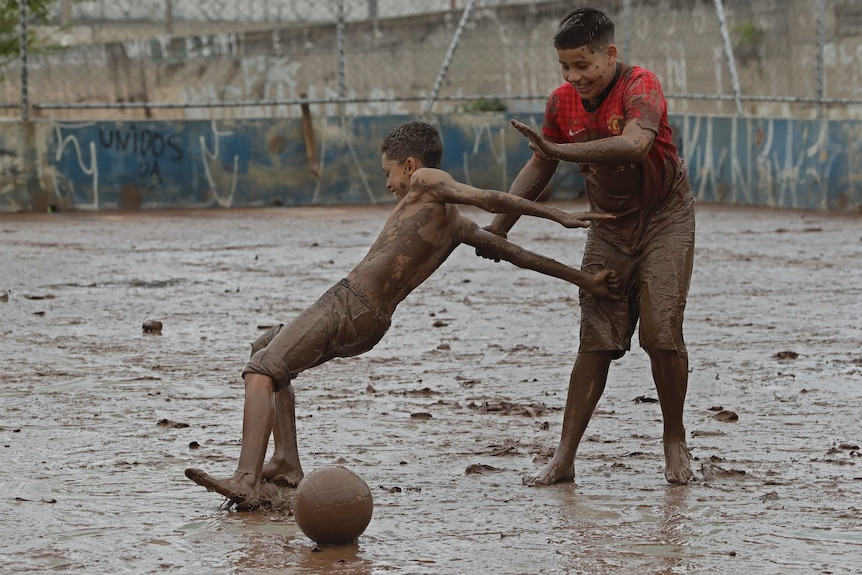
(262, 58)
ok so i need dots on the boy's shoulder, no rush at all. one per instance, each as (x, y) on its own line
(425, 182)
(631, 73)
(424, 178)
(430, 173)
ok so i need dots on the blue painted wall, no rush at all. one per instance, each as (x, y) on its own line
(789, 163)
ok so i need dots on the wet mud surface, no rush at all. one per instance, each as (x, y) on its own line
(442, 419)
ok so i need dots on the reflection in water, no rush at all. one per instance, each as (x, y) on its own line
(675, 526)
(274, 544)
(647, 530)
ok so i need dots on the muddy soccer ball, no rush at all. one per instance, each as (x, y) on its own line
(333, 505)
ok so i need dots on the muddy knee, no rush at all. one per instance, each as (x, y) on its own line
(264, 340)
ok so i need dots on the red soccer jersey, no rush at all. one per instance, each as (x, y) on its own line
(656, 186)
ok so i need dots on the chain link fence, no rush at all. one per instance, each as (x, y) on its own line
(265, 58)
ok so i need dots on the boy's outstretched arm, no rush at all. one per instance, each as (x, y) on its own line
(632, 145)
(446, 189)
(604, 284)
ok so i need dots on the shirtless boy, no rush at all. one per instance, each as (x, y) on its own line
(352, 317)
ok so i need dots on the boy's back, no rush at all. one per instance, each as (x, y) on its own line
(418, 236)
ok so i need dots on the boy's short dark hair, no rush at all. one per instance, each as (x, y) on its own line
(584, 27)
(418, 139)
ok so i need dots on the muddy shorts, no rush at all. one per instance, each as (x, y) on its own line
(655, 282)
(343, 322)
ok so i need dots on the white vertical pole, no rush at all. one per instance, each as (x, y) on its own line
(731, 61)
(453, 45)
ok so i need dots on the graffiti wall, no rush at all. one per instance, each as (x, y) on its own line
(131, 165)
(812, 164)
(790, 163)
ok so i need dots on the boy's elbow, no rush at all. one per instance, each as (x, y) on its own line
(640, 147)
(642, 152)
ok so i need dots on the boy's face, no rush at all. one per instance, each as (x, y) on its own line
(398, 175)
(588, 72)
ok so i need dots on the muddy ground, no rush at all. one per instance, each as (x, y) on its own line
(99, 419)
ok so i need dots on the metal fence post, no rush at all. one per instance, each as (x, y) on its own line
(65, 12)
(453, 45)
(731, 60)
(22, 50)
(339, 41)
(169, 17)
(821, 41)
(37, 199)
(627, 34)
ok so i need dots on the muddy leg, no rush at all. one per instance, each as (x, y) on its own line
(243, 487)
(284, 468)
(670, 372)
(586, 385)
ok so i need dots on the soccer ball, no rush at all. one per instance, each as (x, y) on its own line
(333, 505)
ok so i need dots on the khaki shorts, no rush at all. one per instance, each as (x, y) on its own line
(343, 322)
(655, 282)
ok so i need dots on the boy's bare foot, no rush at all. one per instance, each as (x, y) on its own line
(283, 476)
(290, 479)
(677, 460)
(243, 490)
(554, 472)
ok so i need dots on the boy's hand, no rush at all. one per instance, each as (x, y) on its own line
(539, 145)
(582, 219)
(488, 253)
(606, 284)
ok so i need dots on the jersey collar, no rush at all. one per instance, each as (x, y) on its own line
(595, 105)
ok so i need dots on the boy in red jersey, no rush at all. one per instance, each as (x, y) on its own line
(611, 119)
